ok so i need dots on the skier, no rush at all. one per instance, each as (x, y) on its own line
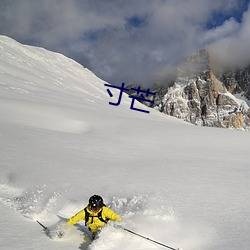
(95, 214)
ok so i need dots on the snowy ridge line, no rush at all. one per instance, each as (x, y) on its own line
(33, 68)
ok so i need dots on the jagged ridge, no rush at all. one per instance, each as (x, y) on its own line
(203, 97)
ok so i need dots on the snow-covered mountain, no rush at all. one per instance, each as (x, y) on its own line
(204, 96)
(60, 142)
(199, 97)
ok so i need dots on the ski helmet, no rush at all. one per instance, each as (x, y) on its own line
(95, 202)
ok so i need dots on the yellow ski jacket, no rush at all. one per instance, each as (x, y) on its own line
(94, 223)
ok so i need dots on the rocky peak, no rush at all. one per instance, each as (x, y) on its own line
(197, 64)
(202, 97)
(199, 97)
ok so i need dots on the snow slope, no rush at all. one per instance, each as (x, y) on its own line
(61, 142)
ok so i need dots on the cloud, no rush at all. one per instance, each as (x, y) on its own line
(228, 28)
(232, 50)
(124, 41)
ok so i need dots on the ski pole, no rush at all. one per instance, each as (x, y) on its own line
(146, 238)
(45, 228)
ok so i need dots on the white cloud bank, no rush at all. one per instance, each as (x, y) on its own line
(129, 41)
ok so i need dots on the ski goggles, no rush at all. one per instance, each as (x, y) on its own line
(94, 208)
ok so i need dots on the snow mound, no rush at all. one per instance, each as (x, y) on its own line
(42, 116)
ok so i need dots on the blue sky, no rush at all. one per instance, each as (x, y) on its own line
(131, 41)
(218, 17)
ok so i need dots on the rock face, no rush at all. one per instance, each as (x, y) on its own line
(203, 98)
(197, 96)
(237, 81)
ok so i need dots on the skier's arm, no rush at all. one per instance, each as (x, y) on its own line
(110, 214)
(77, 217)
